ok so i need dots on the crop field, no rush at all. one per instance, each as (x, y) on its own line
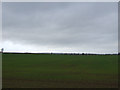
(59, 71)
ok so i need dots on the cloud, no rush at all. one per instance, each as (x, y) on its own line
(79, 27)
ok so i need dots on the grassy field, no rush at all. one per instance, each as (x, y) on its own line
(59, 71)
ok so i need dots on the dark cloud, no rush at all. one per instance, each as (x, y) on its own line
(74, 25)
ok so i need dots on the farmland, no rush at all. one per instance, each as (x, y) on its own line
(59, 71)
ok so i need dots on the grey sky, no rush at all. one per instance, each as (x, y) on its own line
(60, 27)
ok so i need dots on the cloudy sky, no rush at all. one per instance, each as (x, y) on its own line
(81, 27)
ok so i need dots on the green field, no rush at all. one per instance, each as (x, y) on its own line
(59, 71)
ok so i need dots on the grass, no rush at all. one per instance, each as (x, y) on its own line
(59, 71)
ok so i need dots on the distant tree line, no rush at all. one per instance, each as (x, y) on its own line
(60, 53)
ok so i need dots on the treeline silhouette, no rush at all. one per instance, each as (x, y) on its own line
(59, 53)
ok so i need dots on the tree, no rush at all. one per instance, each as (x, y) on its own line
(83, 54)
(2, 50)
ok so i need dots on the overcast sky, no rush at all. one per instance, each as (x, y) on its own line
(87, 27)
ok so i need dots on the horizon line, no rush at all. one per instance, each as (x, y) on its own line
(59, 52)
